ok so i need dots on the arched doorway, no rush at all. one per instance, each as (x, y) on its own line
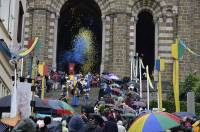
(79, 36)
(145, 39)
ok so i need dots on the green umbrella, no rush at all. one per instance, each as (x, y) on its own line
(128, 115)
(115, 85)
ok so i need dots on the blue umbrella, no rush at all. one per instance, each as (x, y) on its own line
(185, 114)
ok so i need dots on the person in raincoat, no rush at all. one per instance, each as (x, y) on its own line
(64, 126)
(26, 125)
(120, 126)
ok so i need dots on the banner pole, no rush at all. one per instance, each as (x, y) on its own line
(131, 68)
(43, 80)
(140, 66)
(22, 63)
(160, 90)
(177, 101)
(147, 69)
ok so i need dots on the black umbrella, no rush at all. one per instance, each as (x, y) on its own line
(40, 106)
(5, 103)
(97, 117)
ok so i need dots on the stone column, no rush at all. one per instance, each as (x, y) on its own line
(103, 46)
(120, 43)
(185, 32)
(55, 42)
(156, 22)
(39, 29)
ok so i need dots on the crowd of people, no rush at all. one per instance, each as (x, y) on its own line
(117, 107)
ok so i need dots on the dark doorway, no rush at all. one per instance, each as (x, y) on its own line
(77, 15)
(145, 39)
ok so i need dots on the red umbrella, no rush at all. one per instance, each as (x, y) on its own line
(55, 76)
(116, 91)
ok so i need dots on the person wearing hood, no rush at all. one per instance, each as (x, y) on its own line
(93, 126)
(64, 128)
(76, 124)
(120, 126)
(26, 125)
(110, 127)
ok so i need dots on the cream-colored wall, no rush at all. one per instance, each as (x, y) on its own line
(9, 11)
(4, 12)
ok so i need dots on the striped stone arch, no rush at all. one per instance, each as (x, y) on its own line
(164, 20)
(156, 6)
(49, 37)
(56, 6)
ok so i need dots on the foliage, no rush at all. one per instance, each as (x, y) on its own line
(191, 84)
(170, 106)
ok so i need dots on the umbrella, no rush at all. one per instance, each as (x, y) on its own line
(115, 85)
(42, 115)
(155, 122)
(54, 126)
(116, 90)
(129, 115)
(60, 106)
(185, 114)
(97, 117)
(110, 105)
(139, 104)
(40, 107)
(113, 77)
(25, 125)
(56, 76)
(87, 109)
(66, 107)
(110, 76)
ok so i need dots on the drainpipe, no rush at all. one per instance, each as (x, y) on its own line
(9, 15)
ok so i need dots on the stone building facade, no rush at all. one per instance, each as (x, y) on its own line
(172, 19)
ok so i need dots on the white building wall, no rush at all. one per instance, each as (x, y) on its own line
(4, 12)
(15, 46)
(9, 12)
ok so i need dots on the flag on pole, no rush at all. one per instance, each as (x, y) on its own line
(27, 51)
(160, 66)
(148, 77)
(177, 53)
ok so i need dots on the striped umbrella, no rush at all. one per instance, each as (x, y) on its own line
(61, 107)
(155, 122)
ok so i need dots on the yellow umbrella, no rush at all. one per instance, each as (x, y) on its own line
(196, 126)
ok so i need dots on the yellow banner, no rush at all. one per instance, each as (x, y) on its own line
(174, 49)
(41, 69)
(162, 64)
(148, 77)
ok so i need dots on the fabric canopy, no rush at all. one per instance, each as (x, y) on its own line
(40, 106)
